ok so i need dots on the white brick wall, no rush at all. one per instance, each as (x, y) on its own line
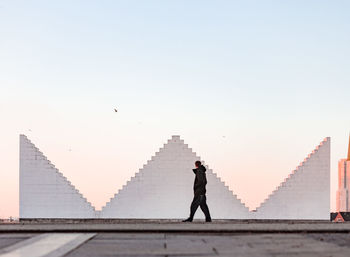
(163, 189)
(305, 194)
(44, 191)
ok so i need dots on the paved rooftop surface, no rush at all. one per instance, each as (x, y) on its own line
(176, 226)
(173, 238)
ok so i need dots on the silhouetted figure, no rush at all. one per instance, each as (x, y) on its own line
(199, 198)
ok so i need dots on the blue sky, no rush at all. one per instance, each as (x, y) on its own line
(251, 54)
(270, 76)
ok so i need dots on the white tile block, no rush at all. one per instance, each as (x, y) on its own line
(163, 189)
(305, 194)
(44, 192)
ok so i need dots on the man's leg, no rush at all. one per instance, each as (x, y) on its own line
(194, 205)
(204, 207)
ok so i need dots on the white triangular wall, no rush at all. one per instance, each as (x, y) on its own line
(162, 189)
(44, 191)
(305, 194)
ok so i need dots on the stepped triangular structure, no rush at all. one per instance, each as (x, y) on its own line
(162, 189)
(44, 191)
(305, 194)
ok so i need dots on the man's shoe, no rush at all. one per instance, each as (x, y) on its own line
(187, 220)
(208, 220)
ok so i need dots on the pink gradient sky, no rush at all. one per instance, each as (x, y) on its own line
(252, 159)
(270, 76)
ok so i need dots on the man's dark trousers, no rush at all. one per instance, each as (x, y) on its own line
(201, 201)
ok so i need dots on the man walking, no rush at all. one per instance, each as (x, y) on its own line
(199, 198)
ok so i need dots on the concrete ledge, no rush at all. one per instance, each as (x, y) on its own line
(175, 226)
(163, 221)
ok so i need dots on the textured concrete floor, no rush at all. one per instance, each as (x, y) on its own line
(172, 238)
(214, 245)
(162, 244)
(177, 226)
(10, 239)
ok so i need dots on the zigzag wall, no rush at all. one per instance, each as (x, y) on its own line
(44, 191)
(305, 194)
(163, 189)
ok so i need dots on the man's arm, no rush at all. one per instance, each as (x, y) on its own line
(200, 177)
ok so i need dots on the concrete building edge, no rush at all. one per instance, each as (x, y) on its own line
(135, 221)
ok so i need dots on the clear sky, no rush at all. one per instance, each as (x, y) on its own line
(251, 86)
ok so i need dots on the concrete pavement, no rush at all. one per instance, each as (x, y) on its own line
(175, 226)
(174, 238)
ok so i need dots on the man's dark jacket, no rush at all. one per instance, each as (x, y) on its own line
(200, 181)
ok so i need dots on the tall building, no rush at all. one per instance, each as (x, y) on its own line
(343, 201)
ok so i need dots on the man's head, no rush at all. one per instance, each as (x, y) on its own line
(198, 164)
